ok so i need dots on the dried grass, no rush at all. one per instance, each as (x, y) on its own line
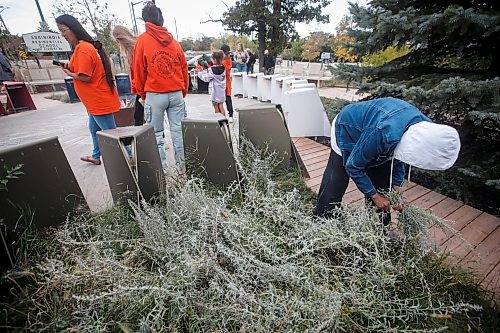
(249, 259)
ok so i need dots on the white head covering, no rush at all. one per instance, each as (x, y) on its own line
(429, 146)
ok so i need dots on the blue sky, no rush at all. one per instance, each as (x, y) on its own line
(22, 16)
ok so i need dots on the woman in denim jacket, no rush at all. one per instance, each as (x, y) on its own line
(372, 140)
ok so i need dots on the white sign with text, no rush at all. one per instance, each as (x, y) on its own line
(46, 42)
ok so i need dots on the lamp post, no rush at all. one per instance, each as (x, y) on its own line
(132, 4)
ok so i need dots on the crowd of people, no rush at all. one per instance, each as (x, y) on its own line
(370, 142)
(159, 78)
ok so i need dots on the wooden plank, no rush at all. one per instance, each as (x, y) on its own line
(313, 181)
(300, 146)
(406, 186)
(485, 257)
(316, 160)
(429, 199)
(474, 233)
(352, 197)
(415, 192)
(446, 207)
(304, 151)
(460, 218)
(492, 281)
(316, 166)
(320, 155)
(296, 139)
(351, 187)
(316, 173)
(305, 143)
(315, 188)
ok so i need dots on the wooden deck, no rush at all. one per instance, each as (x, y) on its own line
(481, 230)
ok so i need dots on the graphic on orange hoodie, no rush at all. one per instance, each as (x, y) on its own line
(159, 63)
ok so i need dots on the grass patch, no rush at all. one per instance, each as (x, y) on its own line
(197, 260)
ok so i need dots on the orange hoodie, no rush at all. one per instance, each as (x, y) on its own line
(159, 63)
(228, 64)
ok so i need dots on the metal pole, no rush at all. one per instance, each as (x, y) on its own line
(40, 11)
(131, 14)
(135, 21)
(176, 33)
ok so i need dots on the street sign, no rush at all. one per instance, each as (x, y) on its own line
(46, 42)
(326, 55)
(23, 54)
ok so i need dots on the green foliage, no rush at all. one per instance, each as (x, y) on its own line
(343, 52)
(333, 106)
(382, 57)
(8, 173)
(450, 72)
(316, 43)
(439, 28)
(295, 50)
(272, 20)
(454, 100)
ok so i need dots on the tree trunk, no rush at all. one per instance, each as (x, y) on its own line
(276, 28)
(261, 30)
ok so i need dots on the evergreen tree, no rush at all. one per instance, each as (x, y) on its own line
(451, 73)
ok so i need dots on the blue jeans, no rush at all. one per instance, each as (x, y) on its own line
(241, 67)
(98, 123)
(154, 113)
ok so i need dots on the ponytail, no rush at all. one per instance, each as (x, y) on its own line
(105, 62)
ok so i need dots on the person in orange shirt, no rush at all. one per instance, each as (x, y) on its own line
(162, 81)
(228, 64)
(91, 72)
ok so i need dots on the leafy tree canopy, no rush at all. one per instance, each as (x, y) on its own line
(92, 14)
(273, 20)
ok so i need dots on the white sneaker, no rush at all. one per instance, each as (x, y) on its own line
(231, 119)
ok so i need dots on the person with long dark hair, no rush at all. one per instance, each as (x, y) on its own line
(161, 79)
(90, 69)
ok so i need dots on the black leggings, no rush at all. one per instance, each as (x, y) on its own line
(335, 181)
(229, 104)
(138, 112)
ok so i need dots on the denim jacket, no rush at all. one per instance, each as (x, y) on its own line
(367, 134)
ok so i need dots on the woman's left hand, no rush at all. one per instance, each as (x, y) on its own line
(68, 72)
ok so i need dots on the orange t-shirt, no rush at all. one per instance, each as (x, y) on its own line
(95, 94)
(228, 64)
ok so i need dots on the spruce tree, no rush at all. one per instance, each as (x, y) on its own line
(451, 73)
